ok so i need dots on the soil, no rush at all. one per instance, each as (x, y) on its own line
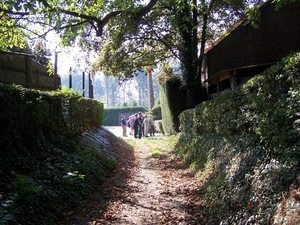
(143, 191)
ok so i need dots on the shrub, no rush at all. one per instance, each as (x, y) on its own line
(156, 112)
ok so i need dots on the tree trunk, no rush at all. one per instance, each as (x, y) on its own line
(189, 55)
(203, 95)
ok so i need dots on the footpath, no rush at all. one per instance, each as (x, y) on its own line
(145, 189)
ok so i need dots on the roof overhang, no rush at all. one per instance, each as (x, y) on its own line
(224, 74)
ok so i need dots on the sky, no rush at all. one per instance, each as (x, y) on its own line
(66, 57)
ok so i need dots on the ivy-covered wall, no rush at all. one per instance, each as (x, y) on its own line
(245, 146)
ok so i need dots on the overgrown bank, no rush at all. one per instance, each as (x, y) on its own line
(245, 146)
(44, 169)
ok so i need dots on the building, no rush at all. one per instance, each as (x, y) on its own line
(248, 51)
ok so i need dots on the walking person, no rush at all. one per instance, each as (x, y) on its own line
(124, 125)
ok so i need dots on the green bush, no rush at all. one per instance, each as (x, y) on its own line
(61, 112)
(156, 112)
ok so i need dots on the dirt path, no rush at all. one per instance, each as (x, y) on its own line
(143, 203)
(144, 191)
(153, 197)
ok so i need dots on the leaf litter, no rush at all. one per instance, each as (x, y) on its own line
(143, 190)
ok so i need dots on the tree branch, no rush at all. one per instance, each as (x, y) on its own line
(91, 19)
(147, 8)
(104, 21)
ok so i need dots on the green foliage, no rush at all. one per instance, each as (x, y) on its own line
(280, 3)
(52, 181)
(253, 16)
(171, 107)
(136, 34)
(44, 169)
(112, 116)
(47, 113)
(246, 143)
(156, 112)
(40, 52)
(165, 112)
(10, 35)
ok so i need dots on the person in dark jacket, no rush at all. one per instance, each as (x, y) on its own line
(136, 125)
(141, 123)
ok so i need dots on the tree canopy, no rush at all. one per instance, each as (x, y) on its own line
(131, 27)
(130, 35)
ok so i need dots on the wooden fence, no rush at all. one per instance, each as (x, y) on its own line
(20, 69)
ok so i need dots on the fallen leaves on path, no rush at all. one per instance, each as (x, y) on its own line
(144, 190)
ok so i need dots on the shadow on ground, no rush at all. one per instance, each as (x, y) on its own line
(96, 208)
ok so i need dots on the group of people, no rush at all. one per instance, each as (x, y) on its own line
(139, 125)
